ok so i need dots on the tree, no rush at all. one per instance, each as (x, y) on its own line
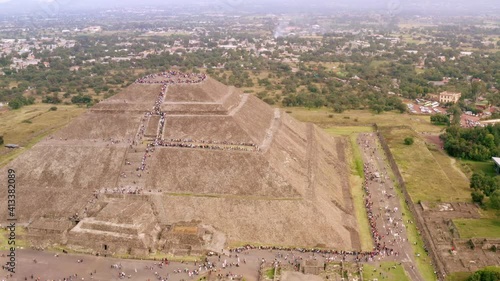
(477, 197)
(54, 99)
(456, 112)
(15, 104)
(1, 140)
(477, 181)
(20, 101)
(495, 200)
(81, 99)
(440, 119)
(409, 141)
(484, 275)
(338, 108)
(377, 108)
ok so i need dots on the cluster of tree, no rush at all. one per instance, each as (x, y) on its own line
(485, 275)
(486, 186)
(54, 99)
(478, 143)
(440, 119)
(82, 99)
(20, 101)
(364, 75)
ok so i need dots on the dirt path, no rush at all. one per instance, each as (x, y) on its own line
(454, 166)
(275, 124)
(244, 99)
(387, 210)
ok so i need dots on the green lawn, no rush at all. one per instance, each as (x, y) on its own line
(38, 123)
(357, 175)
(321, 116)
(423, 262)
(385, 271)
(20, 238)
(487, 167)
(429, 176)
(451, 168)
(479, 228)
(348, 130)
(356, 180)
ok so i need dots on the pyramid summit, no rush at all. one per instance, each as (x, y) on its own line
(180, 163)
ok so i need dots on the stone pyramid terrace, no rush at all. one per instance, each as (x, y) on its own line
(181, 155)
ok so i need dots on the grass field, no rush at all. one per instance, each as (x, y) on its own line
(20, 241)
(28, 125)
(450, 167)
(384, 271)
(423, 262)
(356, 180)
(427, 174)
(478, 228)
(348, 130)
(487, 167)
(326, 118)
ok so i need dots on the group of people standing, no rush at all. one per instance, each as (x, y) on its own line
(172, 77)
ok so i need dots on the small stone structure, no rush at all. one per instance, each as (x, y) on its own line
(121, 227)
(46, 231)
(312, 267)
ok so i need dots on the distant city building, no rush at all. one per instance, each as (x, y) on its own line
(446, 97)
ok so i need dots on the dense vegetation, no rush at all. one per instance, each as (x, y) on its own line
(486, 186)
(478, 143)
(485, 275)
(440, 119)
(334, 72)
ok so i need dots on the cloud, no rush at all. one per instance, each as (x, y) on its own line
(4, 1)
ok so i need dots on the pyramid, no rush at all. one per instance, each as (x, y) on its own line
(181, 163)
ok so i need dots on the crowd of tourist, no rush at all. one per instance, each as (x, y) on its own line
(205, 146)
(172, 77)
(214, 142)
(122, 190)
(390, 228)
(159, 101)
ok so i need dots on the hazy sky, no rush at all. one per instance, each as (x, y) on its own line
(9, 6)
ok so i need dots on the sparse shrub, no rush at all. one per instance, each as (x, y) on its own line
(269, 100)
(330, 116)
(471, 244)
(409, 141)
(27, 121)
(477, 197)
(1, 140)
(53, 108)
